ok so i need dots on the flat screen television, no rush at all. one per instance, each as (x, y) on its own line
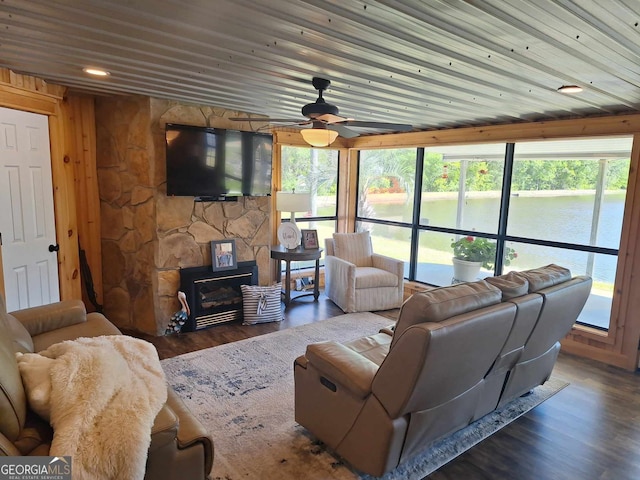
(213, 163)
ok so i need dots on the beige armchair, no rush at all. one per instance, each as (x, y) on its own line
(358, 280)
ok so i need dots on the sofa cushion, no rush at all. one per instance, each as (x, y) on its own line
(445, 302)
(374, 347)
(370, 277)
(511, 285)
(354, 248)
(545, 277)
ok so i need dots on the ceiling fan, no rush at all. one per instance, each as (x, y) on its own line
(326, 123)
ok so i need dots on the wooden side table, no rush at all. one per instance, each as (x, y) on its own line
(281, 254)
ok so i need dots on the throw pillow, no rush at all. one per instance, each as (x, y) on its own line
(261, 304)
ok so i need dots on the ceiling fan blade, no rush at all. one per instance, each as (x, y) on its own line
(330, 118)
(344, 132)
(270, 120)
(399, 127)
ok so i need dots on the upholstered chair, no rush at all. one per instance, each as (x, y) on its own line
(358, 280)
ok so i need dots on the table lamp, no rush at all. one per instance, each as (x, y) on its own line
(288, 232)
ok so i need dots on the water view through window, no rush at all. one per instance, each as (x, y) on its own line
(563, 203)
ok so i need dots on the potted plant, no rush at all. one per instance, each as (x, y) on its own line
(471, 253)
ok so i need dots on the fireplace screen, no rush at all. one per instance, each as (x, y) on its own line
(215, 297)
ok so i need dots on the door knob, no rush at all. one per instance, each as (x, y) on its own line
(54, 248)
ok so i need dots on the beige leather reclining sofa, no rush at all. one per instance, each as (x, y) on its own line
(180, 447)
(456, 353)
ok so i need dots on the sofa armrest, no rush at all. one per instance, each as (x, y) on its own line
(340, 266)
(392, 265)
(45, 318)
(191, 430)
(164, 429)
(344, 366)
(340, 282)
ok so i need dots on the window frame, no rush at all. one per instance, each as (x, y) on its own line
(501, 237)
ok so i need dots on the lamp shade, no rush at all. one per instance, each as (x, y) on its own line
(293, 202)
(319, 137)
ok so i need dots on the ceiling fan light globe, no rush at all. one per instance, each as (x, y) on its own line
(319, 137)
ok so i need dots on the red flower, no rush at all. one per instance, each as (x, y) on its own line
(444, 175)
(470, 238)
(515, 255)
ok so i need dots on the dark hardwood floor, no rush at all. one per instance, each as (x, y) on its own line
(590, 430)
(299, 312)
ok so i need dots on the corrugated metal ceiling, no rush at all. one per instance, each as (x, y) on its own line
(429, 63)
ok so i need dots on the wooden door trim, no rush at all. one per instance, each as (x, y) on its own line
(63, 183)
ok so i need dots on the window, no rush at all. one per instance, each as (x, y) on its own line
(568, 197)
(386, 188)
(314, 171)
(556, 201)
(461, 193)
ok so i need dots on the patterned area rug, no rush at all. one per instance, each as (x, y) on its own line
(242, 392)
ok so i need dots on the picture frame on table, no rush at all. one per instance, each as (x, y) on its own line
(223, 255)
(310, 239)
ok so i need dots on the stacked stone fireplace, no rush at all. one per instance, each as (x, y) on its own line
(215, 297)
(149, 237)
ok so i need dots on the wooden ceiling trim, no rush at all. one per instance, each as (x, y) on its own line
(23, 99)
(609, 125)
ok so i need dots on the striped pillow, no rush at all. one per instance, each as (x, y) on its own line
(261, 304)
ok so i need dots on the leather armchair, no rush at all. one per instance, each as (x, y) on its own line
(358, 280)
(180, 446)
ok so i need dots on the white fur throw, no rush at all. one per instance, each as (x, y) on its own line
(105, 393)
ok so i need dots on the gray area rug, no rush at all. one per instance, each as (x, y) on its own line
(242, 392)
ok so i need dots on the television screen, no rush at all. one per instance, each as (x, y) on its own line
(213, 162)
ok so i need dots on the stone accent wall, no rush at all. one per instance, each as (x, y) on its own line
(146, 236)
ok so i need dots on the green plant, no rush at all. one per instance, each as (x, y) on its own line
(478, 249)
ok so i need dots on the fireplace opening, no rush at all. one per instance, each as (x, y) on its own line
(215, 297)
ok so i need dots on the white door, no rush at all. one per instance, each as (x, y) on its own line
(27, 225)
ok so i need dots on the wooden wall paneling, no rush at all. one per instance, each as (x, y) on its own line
(352, 197)
(64, 200)
(343, 190)
(80, 117)
(276, 186)
(630, 300)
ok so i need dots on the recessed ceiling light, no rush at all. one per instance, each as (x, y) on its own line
(98, 72)
(570, 89)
